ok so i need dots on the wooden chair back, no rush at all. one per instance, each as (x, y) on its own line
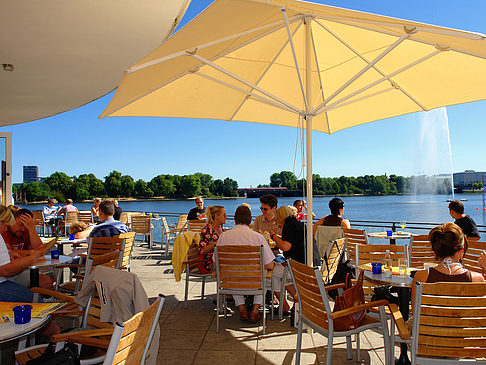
(124, 217)
(130, 342)
(129, 239)
(192, 258)
(91, 318)
(141, 224)
(420, 251)
(181, 223)
(470, 259)
(354, 237)
(334, 256)
(85, 216)
(165, 225)
(196, 225)
(38, 218)
(449, 321)
(101, 245)
(239, 267)
(366, 254)
(314, 303)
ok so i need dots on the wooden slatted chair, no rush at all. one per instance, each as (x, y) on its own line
(334, 255)
(315, 312)
(420, 251)
(126, 259)
(470, 259)
(142, 226)
(168, 235)
(354, 237)
(124, 218)
(239, 271)
(39, 221)
(85, 216)
(366, 254)
(126, 343)
(196, 225)
(69, 218)
(449, 323)
(191, 265)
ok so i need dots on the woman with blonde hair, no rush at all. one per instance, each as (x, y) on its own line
(216, 217)
(80, 230)
(95, 209)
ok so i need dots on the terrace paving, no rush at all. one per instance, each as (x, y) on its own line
(188, 336)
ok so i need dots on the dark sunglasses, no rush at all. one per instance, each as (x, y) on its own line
(263, 209)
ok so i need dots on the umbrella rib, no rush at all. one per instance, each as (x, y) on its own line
(376, 68)
(320, 79)
(266, 69)
(209, 44)
(247, 83)
(295, 59)
(248, 93)
(411, 39)
(367, 67)
(369, 86)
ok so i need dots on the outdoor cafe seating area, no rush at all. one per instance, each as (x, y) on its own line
(191, 331)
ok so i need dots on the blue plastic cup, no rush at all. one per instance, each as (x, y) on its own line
(55, 254)
(376, 267)
(389, 233)
(22, 313)
(71, 236)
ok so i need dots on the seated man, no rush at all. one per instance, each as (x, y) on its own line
(267, 222)
(50, 215)
(241, 234)
(20, 238)
(468, 226)
(108, 227)
(198, 211)
(69, 207)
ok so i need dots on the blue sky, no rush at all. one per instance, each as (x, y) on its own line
(77, 142)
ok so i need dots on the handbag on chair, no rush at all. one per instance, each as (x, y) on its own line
(353, 295)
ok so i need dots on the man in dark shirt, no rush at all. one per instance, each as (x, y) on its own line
(198, 212)
(468, 226)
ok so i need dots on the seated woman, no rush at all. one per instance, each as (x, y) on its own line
(95, 210)
(80, 230)
(300, 205)
(11, 263)
(336, 206)
(216, 217)
(293, 245)
(449, 246)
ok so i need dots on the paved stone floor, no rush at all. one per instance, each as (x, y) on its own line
(188, 336)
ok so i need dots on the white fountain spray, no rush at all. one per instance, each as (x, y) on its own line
(445, 125)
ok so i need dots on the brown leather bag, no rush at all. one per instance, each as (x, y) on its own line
(352, 296)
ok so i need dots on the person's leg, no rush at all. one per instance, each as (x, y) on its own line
(254, 316)
(278, 271)
(13, 292)
(240, 303)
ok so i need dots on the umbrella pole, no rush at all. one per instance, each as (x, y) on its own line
(308, 136)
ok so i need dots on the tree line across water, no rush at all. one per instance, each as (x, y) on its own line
(116, 185)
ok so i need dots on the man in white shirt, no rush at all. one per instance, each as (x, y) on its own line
(243, 235)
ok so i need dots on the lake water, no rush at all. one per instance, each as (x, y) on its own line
(409, 208)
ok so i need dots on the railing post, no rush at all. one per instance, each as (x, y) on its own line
(393, 227)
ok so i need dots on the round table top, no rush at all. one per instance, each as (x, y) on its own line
(11, 331)
(47, 261)
(394, 236)
(394, 280)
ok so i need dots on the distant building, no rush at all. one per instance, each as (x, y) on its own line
(467, 178)
(31, 174)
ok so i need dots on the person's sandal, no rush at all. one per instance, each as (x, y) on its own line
(254, 317)
(244, 316)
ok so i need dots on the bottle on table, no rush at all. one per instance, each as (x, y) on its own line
(387, 267)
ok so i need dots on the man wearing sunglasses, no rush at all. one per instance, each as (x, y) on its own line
(267, 221)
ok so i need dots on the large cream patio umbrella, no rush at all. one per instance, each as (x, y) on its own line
(286, 61)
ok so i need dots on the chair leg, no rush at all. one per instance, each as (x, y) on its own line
(186, 290)
(330, 341)
(218, 301)
(349, 347)
(202, 289)
(299, 343)
(389, 357)
(264, 311)
(283, 293)
(272, 291)
(357, 347)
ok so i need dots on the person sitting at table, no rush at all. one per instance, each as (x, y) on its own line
(266, 221)
(50, 215)
(241, 234)
(336, 219)
(209, 235)
(20, 237)
(80, 230)
(69, 207)
(11, 263)
(198, 211)
(449, 246)
(467, 224)
(118, 210)
(300, 205)
(293, 244)
(109, 227)
(95, 210)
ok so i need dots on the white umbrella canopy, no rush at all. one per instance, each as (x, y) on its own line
(284, 61)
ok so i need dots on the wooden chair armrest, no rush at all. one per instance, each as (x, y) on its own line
(89, 341)
(357, 308)
(335, 286)
(56, 294)
(397, 317)
(101, 259)
(78, 276)
(88, 333)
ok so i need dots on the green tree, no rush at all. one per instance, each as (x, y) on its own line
(127, 186)
(142, 189)
(113, 184)
(230, 187)
(96, 187)
(217, 187)
(162, 185)
(60, 185)
(35, 191)
(206, 181)
(284, 179)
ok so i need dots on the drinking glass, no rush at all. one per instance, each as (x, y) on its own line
(402, 267)
(403, 224)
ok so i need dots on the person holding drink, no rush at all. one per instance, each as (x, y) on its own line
(216, 217)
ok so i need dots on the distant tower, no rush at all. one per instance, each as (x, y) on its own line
(31, 173)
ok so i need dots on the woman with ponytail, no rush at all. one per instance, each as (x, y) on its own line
(449, 245)
(216, 217)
